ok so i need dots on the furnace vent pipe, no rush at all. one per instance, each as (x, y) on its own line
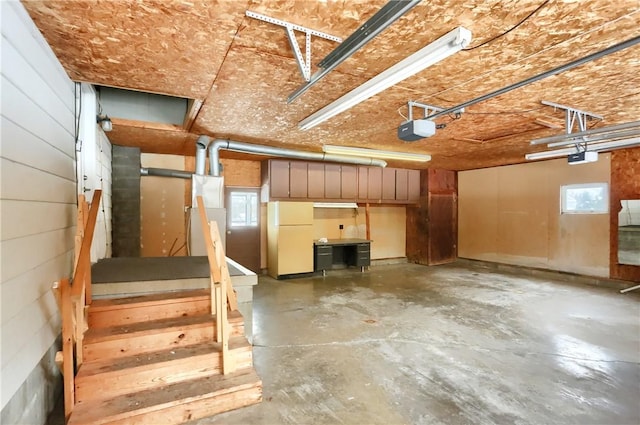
(163, 172)
(201, 154)
(216, 145)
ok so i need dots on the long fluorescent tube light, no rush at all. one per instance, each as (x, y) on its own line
(440, 49)
(387, 15)
(596, 147)
(563, 137)
(374, 153)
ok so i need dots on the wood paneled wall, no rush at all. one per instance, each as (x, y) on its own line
(38, 202)
(511, 215)
(625, 184)
(432, 224)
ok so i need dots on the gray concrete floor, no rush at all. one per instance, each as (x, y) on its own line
(453, 344)
(408, 344)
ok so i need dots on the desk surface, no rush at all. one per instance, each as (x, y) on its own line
(342, 242)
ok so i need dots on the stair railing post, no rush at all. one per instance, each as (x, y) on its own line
(68, 369)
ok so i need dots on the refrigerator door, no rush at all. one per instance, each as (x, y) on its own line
(295, 249)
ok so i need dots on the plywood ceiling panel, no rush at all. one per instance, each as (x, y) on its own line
(243, 70)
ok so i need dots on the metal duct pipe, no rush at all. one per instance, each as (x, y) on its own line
(201, 154)
(216, 145)
(163, 172)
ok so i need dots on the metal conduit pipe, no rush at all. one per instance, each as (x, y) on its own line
(201, 154)
(163, 172)
(217, 144)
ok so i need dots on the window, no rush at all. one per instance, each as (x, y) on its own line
(590, 198)
(244, 209)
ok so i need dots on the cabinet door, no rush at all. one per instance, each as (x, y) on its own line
(279, 179)
(374, 189)
(331, 181)
(315, 180)
(298, 180)
(363, 183)
(402, 185)
(413, 184)
(389, 184)
(349, 182)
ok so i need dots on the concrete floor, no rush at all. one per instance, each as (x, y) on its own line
(453, 344)
(408, 344)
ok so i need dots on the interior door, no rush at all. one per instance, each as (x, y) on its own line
(243, 226)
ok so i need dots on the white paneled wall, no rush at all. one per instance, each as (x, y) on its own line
(37, 204)
(94, 169)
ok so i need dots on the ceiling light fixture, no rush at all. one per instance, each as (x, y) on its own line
(440, 49)
(595, 147)
(105, 122)
(374, 153)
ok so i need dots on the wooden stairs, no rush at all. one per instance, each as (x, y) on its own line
(162, 358)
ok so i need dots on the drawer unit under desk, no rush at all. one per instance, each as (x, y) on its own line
(363, 255)
(323, 258)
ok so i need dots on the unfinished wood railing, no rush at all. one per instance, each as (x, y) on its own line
(74, 298)
(222, 294)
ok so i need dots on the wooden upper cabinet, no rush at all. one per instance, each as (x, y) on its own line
(298, 180)
(388, 184)
(413, 185)
(279, 178)
(332, 181)
(374, 186)
(315, 182)
(402, 186)
(348, 182)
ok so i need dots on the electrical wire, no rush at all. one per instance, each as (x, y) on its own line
(544, 3)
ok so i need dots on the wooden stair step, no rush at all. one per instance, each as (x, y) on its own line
(174, 403)
(121, 311)
(156, 335)
(101, 379)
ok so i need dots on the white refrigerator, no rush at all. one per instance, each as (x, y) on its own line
(289, 238)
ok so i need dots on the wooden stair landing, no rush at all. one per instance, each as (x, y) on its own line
(152, 359)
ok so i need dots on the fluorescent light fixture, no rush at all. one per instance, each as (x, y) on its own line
(440, 49)
(335, 205)
(595, 147)
(373, 153)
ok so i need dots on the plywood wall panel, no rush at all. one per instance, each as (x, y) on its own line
(241, 173)
(478, 214)
(625, 184)
(524, 224)
(162, 213)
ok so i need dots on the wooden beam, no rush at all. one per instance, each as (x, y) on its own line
(367, 222)
(192, 113)
(67, 348)
(147, 125)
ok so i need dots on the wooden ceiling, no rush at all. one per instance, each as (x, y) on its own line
(242, 70)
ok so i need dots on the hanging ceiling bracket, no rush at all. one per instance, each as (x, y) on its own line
(428, 109)
(304, 63)
(573, 116)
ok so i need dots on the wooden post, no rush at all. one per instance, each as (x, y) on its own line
(367, 222)
(67, 348)
(228, 364)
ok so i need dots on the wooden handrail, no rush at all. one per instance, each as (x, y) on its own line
(83, 267)
(222, 294)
